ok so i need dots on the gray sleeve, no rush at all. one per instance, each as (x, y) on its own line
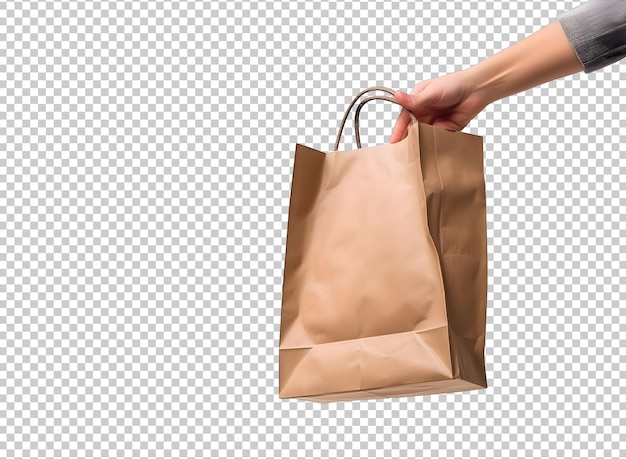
(597, 32)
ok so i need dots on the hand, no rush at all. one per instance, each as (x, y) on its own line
(450, 102)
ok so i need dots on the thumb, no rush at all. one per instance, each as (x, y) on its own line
(403, 98)
(411, 102)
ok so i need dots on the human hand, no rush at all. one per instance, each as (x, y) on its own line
(450, 102)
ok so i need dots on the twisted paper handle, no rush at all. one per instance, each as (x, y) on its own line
(360, 107)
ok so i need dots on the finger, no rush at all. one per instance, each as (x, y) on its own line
(399, 131)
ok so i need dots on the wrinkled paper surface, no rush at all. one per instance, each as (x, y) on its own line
(385, 276)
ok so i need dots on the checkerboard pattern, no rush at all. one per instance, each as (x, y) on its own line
(145, 167)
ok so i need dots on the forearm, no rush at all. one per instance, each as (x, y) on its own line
(541, 57)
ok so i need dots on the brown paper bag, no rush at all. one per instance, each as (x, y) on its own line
(385, 275)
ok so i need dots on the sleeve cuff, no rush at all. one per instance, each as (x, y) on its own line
(597, 32)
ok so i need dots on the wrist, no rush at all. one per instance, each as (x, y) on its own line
(485, 83)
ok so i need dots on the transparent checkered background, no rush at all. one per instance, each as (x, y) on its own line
(145, 168)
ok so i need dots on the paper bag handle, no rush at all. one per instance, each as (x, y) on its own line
(360, 107)
(354, 101)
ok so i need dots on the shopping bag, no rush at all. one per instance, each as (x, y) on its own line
(385, 272)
